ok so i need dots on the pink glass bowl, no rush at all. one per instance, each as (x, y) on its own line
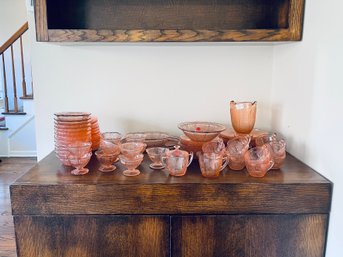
(79, 163)
(201, 131)
(131, 163)
(132, 148)
(156, 155)
(106, 160)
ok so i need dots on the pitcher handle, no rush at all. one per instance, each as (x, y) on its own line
(226, 162)
(191, 155)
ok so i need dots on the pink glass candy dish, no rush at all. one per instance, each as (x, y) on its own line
(177, 161)
(131, 163)
(211, 164)
(235, 150)
(79, 163)
(258, 161)
(156, 155)
(243, 116)
(132, 148)
(201, 131)
(216, 146)
(106, 160)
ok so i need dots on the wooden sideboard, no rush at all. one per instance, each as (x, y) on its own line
(284, 214)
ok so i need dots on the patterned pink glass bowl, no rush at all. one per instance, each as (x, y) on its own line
(79, 163)
(106, 160)
(131, 163)
(132, 148)
(79, 148)
(201, 131)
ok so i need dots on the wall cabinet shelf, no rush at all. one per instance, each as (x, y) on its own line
(168, 20)
(284, 214)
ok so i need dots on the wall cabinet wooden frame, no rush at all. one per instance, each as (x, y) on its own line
(284, 214)
(168, 20)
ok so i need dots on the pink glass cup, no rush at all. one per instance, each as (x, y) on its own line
(106, 160)
(243, 116)
(215, 146)
(276, 146)
(211, 164)
(132, 148)
(235, 150)
(177, 161)
(79, 163)
(156, 155)
(131, 163)
(258, 161)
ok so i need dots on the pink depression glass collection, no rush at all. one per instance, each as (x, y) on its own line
(214, 145)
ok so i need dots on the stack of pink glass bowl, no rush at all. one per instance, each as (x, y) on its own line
(95, 132)
(70, 127)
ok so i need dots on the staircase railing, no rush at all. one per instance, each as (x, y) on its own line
(8, 45)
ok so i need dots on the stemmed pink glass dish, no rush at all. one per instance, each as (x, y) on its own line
(156, 155)
(131, 163)
(243, 116)
(235, 150)
(79, 156)
(106, 160)
(132, 148)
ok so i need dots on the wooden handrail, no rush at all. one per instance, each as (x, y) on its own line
(14, 38)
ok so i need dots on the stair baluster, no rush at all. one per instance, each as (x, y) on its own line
(15, 98)
(5, 84)
(22, 68)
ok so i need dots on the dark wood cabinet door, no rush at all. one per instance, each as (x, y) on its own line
(249, 236)
(90, 236)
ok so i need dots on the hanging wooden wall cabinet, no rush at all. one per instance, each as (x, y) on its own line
(168, 20)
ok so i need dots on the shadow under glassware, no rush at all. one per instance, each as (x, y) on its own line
(211, 164)
(235, 150)
(156, 155)
(258, 161)
(177, 161)
(276, 146)
(243, 116)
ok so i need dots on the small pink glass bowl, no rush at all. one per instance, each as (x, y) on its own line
(132, 148)
(79, 163)
(79, 148)
(156, 155)
(106, 160)
(131, 163)
(201, 131)
(113, 137)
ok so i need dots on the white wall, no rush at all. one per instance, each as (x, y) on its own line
(12, 17)
(307, 101)
(133, 87)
